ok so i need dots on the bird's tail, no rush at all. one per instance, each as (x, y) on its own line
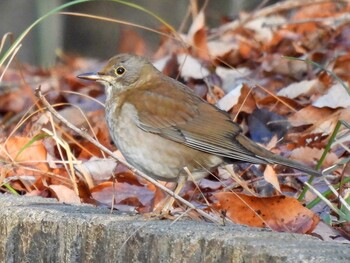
(271, 158)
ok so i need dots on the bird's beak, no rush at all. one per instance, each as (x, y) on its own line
(90, 76)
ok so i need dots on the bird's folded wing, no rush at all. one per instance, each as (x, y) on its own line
(176, 114)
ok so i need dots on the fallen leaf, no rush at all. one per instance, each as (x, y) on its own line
(20, 150)
(262, 26)
(308, 115)
(191, 68)
(276, 64)
(310, 156)
(296, 89)
(312, 140)
(98, 168)
(115, 193)
(230, 99)
(198, 37)
(209, 184)
(280, 213)
(65, 194)
(221, 48)
(232, 78)
(246, 101)
(270, 176)
(214, 95)
(33, 155)
(336, 97)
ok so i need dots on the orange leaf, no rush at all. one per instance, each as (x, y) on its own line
(198, 36)
(280, 213)
(309, 156)
(34, 155)
(36, 151)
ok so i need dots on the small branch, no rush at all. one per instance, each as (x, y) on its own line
(84, 134)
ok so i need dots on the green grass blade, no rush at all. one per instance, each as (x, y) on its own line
(323, 157)
(10, 188)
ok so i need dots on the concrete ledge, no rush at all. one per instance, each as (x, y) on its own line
(42, 230)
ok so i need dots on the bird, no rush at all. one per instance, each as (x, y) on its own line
(165, 130)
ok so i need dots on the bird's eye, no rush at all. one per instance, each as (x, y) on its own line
(119, 71)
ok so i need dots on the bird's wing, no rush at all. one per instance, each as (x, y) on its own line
(178, 115)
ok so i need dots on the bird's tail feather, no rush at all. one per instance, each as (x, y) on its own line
(271, 158)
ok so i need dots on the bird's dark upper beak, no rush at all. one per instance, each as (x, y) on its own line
(90, 76)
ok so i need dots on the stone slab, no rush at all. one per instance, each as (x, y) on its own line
(34, 229)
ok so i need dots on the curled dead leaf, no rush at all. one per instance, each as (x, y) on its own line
(280, 213)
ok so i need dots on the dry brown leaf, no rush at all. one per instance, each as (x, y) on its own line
(342, 67)
(296, 89)
(246, 101)
(312, 140)
(232, 77)
(336, 97)
(209, 184)
(64, 194)
(279, 105)
(310, 156)
(276, 64)
(190, 67)
(123, 194)
(99, 169)
(280, 213)
(271, 177)
(91, 150)
(221, 48)
(34, 155)
(324, 126)
(198, 37)
(230, 99)
(215, 94)
(309, 115)
(262, 27)
(248, 49)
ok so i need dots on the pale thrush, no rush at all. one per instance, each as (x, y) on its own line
(160, 126)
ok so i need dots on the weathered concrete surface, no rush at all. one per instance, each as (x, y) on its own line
(42, 230)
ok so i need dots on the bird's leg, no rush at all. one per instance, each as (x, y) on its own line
(165, 206)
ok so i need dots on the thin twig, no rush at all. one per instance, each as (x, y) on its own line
(84, 134)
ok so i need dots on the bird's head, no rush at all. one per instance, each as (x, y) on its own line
(123, 72)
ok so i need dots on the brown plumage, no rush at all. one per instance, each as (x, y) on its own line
(161, 126)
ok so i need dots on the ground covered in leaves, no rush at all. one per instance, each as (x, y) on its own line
(282, 72)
